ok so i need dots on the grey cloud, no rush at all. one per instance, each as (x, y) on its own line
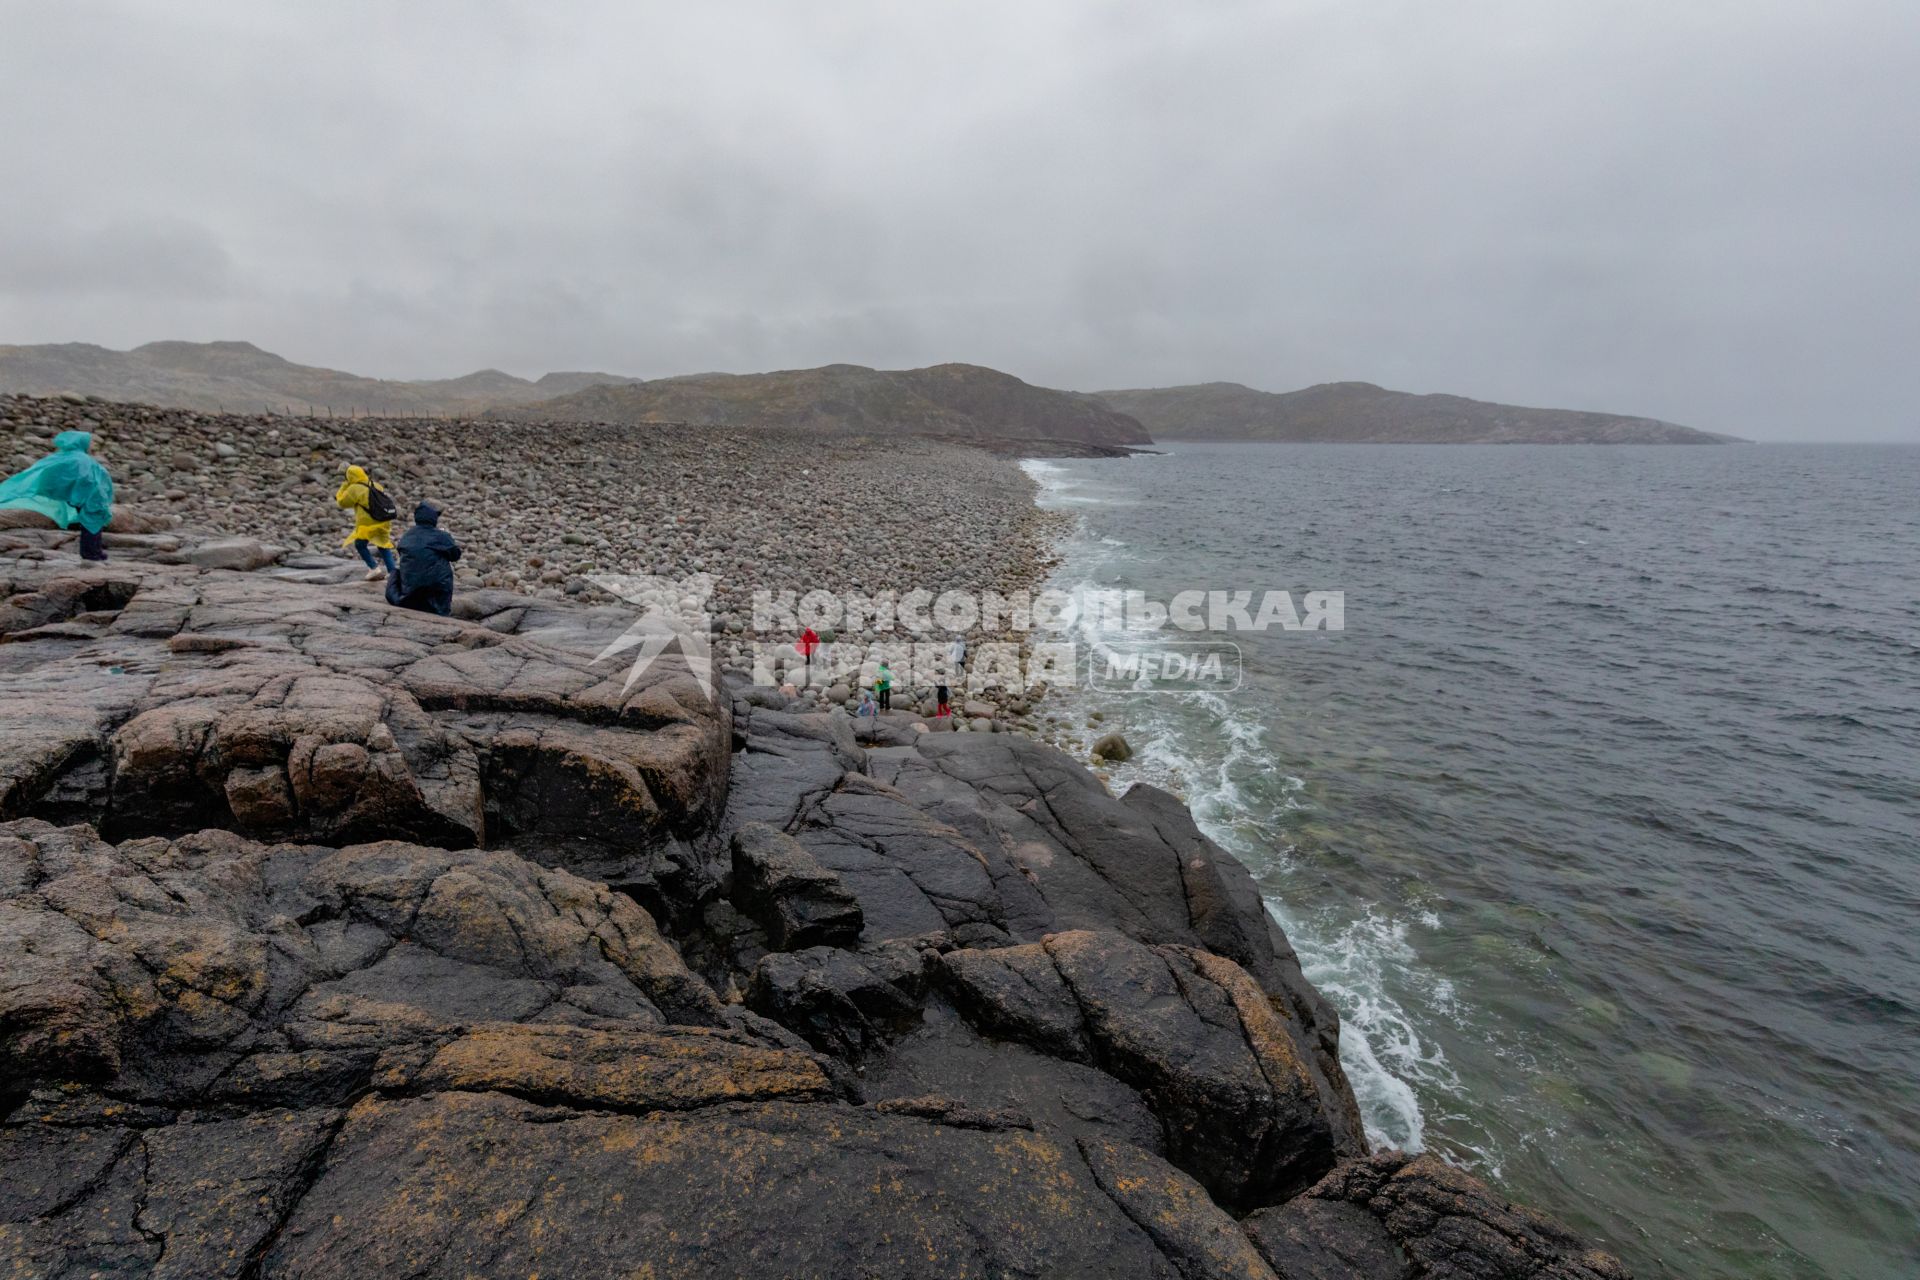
(1699, 212)
(164, 259)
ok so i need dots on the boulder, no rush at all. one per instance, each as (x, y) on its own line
(1390, 1216)
(1113, 748)
(799, 902)
(230, 553)
(841, 1004)
(913, 875)
(1189, 1030)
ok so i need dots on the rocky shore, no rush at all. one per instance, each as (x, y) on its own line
(544, 508)
(346, 941)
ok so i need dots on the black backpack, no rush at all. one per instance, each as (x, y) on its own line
(379, 505)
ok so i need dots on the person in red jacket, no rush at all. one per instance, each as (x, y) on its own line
(807, 644)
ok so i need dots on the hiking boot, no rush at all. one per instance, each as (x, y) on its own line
(375, 575)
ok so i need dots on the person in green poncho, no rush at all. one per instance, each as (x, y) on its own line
(69, 487)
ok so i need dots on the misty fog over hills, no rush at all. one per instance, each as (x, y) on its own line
(948, 399)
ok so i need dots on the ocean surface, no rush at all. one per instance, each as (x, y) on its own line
(1599, 822)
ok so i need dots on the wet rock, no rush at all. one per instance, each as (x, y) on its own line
(799, 902)
(1399, 1217)
(912, 875)
(1191, 1031)
(244, 946)
(834, 1191)
(842, 1004)
(1113, 748)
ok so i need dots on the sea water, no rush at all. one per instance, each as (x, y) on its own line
(1599, 822)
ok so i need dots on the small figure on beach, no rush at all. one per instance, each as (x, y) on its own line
(957, 657)
(943, 701)
(373, 513)
(425, 578)
(883, 685)
(808, 642)
(68, 486)
(869, 711)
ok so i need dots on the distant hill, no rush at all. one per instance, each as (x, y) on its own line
(947, 399)
(1360, 412)
(240, 377)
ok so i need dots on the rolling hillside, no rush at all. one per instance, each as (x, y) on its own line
(240, 377)
(948, 399)
(1360, 412)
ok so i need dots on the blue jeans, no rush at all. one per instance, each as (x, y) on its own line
(366, 550)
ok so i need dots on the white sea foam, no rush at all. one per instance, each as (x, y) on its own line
(1057, 488)
(1387, 1059)
(1043, 473)
(1205, 746)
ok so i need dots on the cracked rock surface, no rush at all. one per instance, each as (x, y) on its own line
(343, 941)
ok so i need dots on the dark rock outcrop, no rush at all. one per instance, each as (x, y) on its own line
(633, 980)
(1395, 1217)
(1204, 1047)
(186, 1025)
(796, 900)
(156, 698)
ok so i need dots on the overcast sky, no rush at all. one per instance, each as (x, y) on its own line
(1699, 210)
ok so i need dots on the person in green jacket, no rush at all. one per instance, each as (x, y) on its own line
(883, 685)
(69, 487)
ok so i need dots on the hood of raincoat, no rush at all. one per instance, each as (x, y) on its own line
(426, 513)
(68, 486)
(356, 475)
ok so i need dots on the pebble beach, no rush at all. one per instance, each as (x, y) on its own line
(543, 508)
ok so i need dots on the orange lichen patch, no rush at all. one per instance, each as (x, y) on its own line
(674, 1070)
(1174, 1210)
(1267, 1033)
(482, 1183)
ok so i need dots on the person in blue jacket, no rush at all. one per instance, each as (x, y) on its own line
(427, 553)
(68, 487)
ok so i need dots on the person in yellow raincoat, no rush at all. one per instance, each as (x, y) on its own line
(368, 533)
